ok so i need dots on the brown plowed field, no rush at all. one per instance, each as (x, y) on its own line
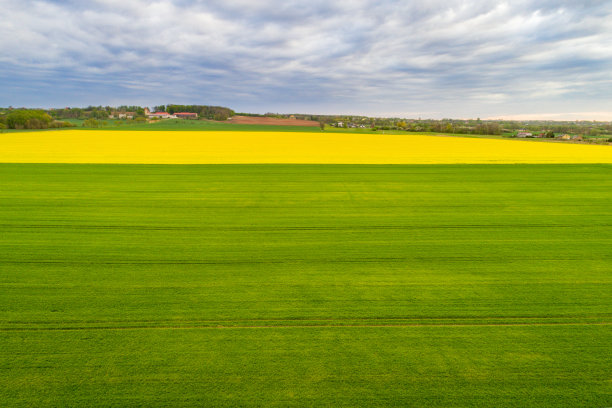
(260, 120)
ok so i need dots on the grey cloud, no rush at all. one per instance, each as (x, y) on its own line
(458, 58)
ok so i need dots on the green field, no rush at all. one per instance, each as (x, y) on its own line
(167, 125)
(306, 285)
(199, 125)
(181, 124)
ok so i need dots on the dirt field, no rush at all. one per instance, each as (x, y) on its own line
(258, 120)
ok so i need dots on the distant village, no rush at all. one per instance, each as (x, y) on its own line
(564, 136)
(153, 115)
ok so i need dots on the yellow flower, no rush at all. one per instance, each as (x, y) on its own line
(99, 146)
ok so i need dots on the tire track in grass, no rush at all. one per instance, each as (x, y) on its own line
(304, 326)
(304, 260)
(321, 323)
(296, 228)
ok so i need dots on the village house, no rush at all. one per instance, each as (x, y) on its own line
(122, 115)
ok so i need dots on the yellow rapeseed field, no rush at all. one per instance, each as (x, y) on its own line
(99, 146)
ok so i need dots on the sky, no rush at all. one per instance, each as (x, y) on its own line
(402, 58)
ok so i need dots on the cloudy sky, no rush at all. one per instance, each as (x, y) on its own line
(406, 58)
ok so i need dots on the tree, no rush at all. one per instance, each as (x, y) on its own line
(99, 114)
(28, 119)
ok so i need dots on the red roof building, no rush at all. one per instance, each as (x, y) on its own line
(186, 115)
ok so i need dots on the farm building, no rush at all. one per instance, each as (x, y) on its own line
(160, 115)
(122, 115)
(186, 115)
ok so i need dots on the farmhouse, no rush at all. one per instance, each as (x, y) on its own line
(160, 115)
(524, 134)
(186, 115)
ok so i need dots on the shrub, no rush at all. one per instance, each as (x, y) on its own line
(91, 123)
(60, 124)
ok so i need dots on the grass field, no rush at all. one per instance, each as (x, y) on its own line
(205, 125)
(91, 146)
(306, 285)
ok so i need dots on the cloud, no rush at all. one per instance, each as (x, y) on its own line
(450, 58)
